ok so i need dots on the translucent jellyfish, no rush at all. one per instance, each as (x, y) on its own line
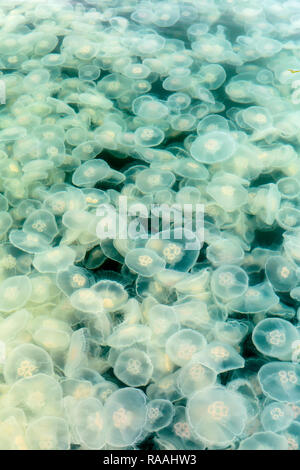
(216, 415)
(48, 433)
(12, 133)
(88, 72)
(159, 414)
(76, 135)
(125, 415)
(212, 147)
(163, 321)
(113, 85)
(25, 361)
(165, 388)
(274, 337)
(126, 335)
(220, 357)
(292, 435)
(76, 356)
(225, 252)
(88, 420)
(182, 345)
(15, 291)
(30, 243)
(276, 416)
(179, 435)
(14, 324)
(257, 117)
(231, 331)
(54, 259)
(228, 192)
(90, 172)
(41, 222)
(73, 278)
(166, 15)
(136, 71)
(280, 381)
(179, 248)
(176, 82)
(86, 151)
(144, 261)
(288, 187)
(194, 376)
(87, 300)
(281, 273)
(212, 76)
(149, 136)
(38, 395)
(258, 298)
(288, 218)
(133, 367)
(178, 101)
(229, 282)
(264, 441)
(212, 122)
(183, 122)
(149, 109)
(112, 293)
(153, 180)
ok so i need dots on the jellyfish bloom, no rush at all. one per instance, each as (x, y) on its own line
(213, 147)
(281, 273)
(15, 291)
(225, 251)
(112, 293)
(280, 381)
(41, 222)
(125, 415)
(133, 367)
(152, 180)
(274, 337)
(149, 136)
(216, 415)
(90, 172)
(182, 345)
(194, 377)
(264, 441)
(259, 298)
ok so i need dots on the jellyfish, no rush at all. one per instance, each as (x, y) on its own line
(220, 357)
(163, 321)
(90, 172)
(125, 415)
(27, 360)
(212, 147)
(159, 414)
(133, 367)
(274, 337)
(280, 381)
(89, 424)
(54, 260)
(48, 433)
(258, 298)
(276, 416)
(216, 415)
(112, 293)
(182, 345)
(229, 282)
(194, 376)
(15, 292)
(144, 261)
(225, 251)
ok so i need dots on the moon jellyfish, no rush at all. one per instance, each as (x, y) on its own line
(281, 273)
(149, 136)
(220, 357)
(264, 441)
(182, 345)
(54, 259)
(133, 367)
(15, 292)
(212, 147)
(25, 361)
(276, 416)
(153, 180)
(274, 337)
(88, 420)
(145, 262)
(257, 117)
(216, 415)
(225, 251)
(229, 282)
(41, 222)
(48, 433)
(125, 415)
(258, 298)
(159, 414)
(163, 321)
(90, 172)
(194, 376)
(87, 300)
(112, 293)
(212, 76)
(280, 381)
